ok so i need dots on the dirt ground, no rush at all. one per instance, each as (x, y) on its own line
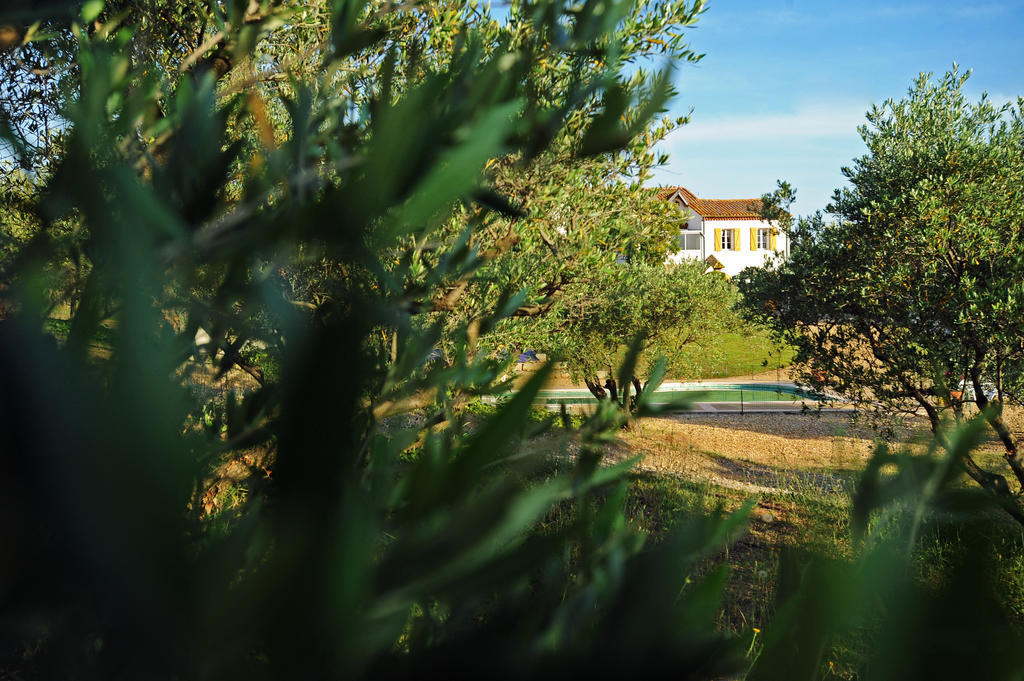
(775, 452)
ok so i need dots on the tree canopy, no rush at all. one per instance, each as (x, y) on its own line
(912, 297)
(670, 315)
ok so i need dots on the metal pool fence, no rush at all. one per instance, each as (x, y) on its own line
(729, 395)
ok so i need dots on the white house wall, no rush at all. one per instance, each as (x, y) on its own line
(694, 225)
(734, 260)
(737, 260)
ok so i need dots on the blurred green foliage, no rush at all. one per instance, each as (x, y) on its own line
(285, 225)
(275, 178)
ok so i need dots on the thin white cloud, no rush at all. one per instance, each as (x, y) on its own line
(783, 16)
(777, 16)
(839, 15)
(809, 122)
(990, 9)
(900, 11)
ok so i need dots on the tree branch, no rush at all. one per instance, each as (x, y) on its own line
(994, 416)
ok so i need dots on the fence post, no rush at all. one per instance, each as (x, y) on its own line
(741, 401)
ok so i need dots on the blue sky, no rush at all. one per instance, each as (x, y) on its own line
(785, 83)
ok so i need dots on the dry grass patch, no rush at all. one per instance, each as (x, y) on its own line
(750, 452)
(802, 470)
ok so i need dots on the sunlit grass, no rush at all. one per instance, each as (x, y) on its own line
(746, 352)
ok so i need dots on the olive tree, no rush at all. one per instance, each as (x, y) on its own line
(668, 315)
(912, 298)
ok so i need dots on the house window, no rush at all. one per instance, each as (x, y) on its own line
(689, 242)
(726, 240)
(763, 239)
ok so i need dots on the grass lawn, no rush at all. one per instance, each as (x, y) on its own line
(803, 471)
(60, 328)
(744, 353)
(804, 522)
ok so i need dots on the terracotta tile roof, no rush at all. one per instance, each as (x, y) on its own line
(665, 192)
(716, 209)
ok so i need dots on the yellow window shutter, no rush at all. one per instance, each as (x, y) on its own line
(772, 239)
(753, 238)
(718, 239)
(736, 239)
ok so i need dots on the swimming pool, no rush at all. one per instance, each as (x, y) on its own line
(714, 393)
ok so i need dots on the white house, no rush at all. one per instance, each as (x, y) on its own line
(731, 230)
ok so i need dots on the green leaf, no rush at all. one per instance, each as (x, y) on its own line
(91, 10)
(456, 173)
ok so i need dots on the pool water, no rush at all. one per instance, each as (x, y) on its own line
(706, 392)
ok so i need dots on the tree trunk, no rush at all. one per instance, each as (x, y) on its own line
(595, 389)
(993, 483)
(245, 365)
(995, 418)
(637, 389)
(613, 390)
(929, 408)
(999, 379)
